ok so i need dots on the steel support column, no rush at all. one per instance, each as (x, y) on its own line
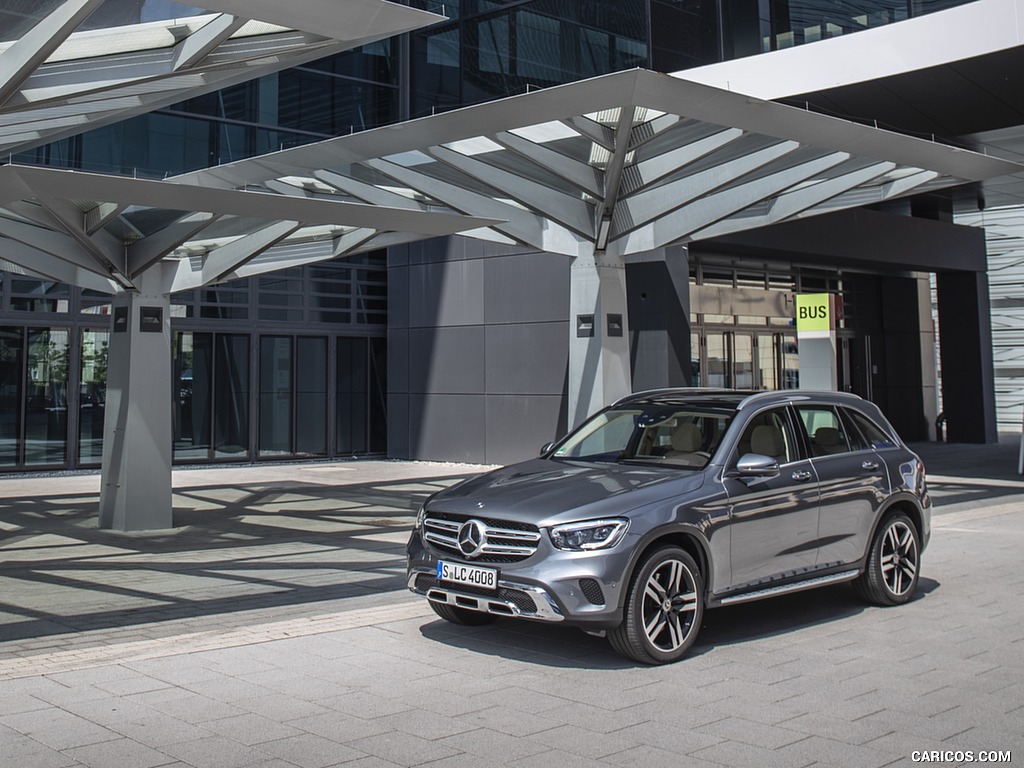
(598, 336)
(135, 488)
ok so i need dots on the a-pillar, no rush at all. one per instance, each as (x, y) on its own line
(598, 336)
(135, 492)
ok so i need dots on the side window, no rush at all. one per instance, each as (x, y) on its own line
(853, 434)
(873, 433)
(828, 436)
(769, 434)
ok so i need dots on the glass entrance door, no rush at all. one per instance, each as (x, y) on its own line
(744, 360)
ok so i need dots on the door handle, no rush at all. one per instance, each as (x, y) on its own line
(869, 465)
(801, 476)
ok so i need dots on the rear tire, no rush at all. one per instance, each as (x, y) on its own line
(894, 563)
(461, 616)
(664, 608)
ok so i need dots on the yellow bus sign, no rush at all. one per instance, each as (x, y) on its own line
(814, 316)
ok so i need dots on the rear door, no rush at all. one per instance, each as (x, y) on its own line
(852, 481)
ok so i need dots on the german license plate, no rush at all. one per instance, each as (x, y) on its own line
(467, 574)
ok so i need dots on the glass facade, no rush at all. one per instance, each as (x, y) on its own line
(491, 50)
(349, 92)
(247, 383)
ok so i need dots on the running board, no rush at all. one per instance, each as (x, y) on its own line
(785, 589)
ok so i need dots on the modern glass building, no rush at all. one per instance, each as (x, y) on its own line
(455, 348)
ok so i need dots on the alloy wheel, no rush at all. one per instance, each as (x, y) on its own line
(669, 605)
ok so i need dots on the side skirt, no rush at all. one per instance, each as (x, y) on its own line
(785, 589)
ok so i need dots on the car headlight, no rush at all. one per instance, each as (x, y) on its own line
(420, 517)
(589, 534)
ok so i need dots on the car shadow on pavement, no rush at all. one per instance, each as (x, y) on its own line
(566, 647)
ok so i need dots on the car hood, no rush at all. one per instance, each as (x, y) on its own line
(546, 491)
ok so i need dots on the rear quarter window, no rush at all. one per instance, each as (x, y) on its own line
(874, 434)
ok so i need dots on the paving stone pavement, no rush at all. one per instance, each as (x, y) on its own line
(270, 628)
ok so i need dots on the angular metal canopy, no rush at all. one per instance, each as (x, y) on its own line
(105, 232)
(618, 164)
(56, 82)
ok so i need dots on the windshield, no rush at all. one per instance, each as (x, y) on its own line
(671, 435)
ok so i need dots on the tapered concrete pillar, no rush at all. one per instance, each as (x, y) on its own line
(135, 492)
(598, 336)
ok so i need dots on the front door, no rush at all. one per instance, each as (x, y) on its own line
(773, 521)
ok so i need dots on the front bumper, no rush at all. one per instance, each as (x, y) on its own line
(581, 589)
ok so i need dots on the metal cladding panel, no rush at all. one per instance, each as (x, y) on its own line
(531, 287)
(527, 358)
(398, 360)
(447, 360)
(518, 426)
(399, 445)
(447, 427)
(447, 293)
(398, 294)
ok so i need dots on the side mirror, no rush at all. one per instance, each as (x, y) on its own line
(546, 448)
(757, 465)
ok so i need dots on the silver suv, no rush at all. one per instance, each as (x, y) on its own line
(672, 501)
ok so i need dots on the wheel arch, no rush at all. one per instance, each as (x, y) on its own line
(905, 504)
(684, 537)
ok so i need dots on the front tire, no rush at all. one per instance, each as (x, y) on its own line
(894, 563)
(461, 616)
(664, 608)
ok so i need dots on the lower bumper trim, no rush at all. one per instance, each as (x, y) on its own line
(511, 599)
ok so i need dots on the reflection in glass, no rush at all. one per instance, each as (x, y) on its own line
(275, 395)
(719, 374)
(92, 395)
(311, 396)
(46, 396)
(12, 344)
(378, 395)
(743, 347)
(231, 396)
(790, 363)
(193, 368)
(352, 392)
(766, 362)
(695, 380)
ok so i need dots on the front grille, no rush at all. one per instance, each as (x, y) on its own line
(592, 591)
(506, 541)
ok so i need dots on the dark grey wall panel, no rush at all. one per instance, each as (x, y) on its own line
(398, 360)
(475, 323)
(526, 359)
(399, 446)
(446, 293)
(398, 295)
(446, 360)
(448, 427)
(525, 288)
(518, 426)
